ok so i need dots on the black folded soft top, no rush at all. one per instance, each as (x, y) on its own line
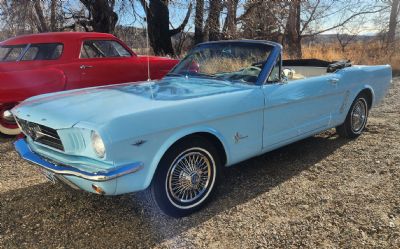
(332, 66)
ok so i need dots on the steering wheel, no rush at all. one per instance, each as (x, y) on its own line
(251, 71)
(259, 63)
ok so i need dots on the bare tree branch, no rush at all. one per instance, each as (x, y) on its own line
(252, 6)
(307, 22)
(345, 21)
(184, 22)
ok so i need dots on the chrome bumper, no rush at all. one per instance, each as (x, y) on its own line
(25, 152)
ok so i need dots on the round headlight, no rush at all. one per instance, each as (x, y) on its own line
(98, 145)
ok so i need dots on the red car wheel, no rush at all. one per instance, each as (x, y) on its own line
(8, 125)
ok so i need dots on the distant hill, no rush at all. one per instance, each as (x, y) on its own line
(328, 38)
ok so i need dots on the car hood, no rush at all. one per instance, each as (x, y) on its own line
(101, 104)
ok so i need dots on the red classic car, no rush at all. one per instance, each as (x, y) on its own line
(50, 62)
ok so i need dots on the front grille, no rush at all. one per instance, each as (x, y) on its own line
(41, 134)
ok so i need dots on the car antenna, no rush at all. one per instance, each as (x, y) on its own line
(148, 51)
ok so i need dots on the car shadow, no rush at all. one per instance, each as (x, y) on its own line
(5, 138)
(73, 218)
(6, 144)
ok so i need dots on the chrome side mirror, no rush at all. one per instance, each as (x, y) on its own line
(284, 78)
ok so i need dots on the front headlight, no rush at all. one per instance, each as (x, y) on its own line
(98, 145)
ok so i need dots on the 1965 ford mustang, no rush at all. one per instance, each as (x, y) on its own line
(223, 103)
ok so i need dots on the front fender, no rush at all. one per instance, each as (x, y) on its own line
(173, 138)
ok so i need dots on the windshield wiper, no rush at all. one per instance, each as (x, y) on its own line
(174, 74)
(192, 74)
(203, 75)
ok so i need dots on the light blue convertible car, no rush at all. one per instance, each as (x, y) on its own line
(223, 103)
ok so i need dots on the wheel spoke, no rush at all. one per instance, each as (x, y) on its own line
(189, 176)
(358, 116)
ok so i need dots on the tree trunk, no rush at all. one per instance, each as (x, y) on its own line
(53, 13)
(198, 22)
(229, 29)
(103, 18)
(41, 21)
(393, 22)
(158, 27)
(157, 15)
(293, 35)
(213, 20)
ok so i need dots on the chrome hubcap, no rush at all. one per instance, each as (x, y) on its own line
(191, 176)
(359, 115)
(7, 117)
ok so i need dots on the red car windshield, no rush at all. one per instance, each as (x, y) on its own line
(30, 52)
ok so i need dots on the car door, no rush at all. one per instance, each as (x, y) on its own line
(104, 62)
(294, 109)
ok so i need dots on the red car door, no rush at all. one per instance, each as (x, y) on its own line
(108, 61)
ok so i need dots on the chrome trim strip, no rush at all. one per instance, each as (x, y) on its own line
(47, 135)
(25, 152)
(68, 183)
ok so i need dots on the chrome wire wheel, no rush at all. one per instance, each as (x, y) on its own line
(190, 178)
(359, 115)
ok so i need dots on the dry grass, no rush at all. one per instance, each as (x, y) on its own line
(218, 65)
(363, 53)
(143, 51)
(366, 53)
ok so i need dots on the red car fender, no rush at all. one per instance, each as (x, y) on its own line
(18, 86)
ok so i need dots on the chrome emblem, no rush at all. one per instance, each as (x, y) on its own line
(34, 131)
(239, 137)
(138, 143)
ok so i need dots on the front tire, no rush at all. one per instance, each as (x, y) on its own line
(9, 131)
(356, 118)
(7, 126)
(186, 177)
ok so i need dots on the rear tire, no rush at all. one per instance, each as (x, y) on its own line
(356, 118)
(186, 177)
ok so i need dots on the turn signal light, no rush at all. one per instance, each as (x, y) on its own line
(98, 190)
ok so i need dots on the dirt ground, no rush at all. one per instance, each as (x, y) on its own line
(322, 192)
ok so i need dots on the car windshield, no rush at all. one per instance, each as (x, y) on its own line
(230, 61)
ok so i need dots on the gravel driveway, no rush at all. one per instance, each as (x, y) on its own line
(322, 192)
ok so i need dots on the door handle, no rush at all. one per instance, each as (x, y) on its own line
(333, 81)
(85, 66)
